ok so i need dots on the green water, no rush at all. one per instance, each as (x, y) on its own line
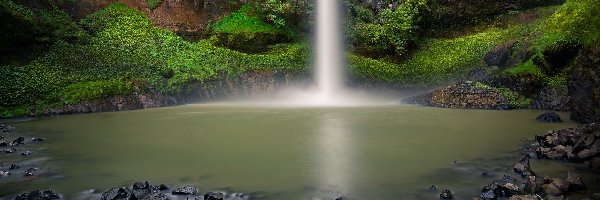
(377, 152)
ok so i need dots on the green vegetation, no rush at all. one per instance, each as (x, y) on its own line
(514, 99)
(397, 28)
(243, 31)
(437, 61)
(125, 48)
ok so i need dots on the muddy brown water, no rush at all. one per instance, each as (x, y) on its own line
(372, 152)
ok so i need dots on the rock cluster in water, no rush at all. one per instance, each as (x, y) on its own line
(12, 148)
(146, 191)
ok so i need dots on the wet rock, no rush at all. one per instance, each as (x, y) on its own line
(13, 167)
(446, 194)
(140, 185)
(574, 181)
(549, 117)
(465, 95)
(552, 98)
(530, 184)
(31, 171)
(558, 55)
(522, 167)
(523, 197)
(495, 190)
(117, 194)
(38, 195)
(155, 196)
(3, 144)
(555, 186)
(18, 141)
(187, 190)
(26, 153)
(4, 173)
(37, 139)
(7, 129)
(241, 196)
(585, 154)
(9, 150)
(213, 196)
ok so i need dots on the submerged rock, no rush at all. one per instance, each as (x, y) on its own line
(187, 190)
(13, 167)
(7, 129)
(31, 171)
(26, 153)
(446, 194)
(549, 117)
(117, 194)
(3, 144)
(38, 195)
(18, 141)
(9, 150)
(214, 196)
(37, 139)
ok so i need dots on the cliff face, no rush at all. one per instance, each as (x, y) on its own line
(189, 18)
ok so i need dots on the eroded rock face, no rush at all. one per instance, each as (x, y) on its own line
(499, 55)
(584, 87)
(466, 95)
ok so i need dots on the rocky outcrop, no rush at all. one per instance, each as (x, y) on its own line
(185, 17)
(552, 98)
(549, 117)
(463, 95)
(119, 103)
(573, 144)
(584, 87)
(147, 191)
(499, 55)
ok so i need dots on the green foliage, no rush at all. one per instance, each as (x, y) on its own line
(437, 61)
(95, 89)
(16, 9)
(577, 19)
(285, 14)
(526, 68)
(397, 29)
(514, 99)
(243, 21)
(244, 32)
(152, 4)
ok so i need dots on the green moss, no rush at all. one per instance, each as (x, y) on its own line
(514, 99)
(152, 4)
(527, 68)
(437, 61)
(95, 89)
(242, 21)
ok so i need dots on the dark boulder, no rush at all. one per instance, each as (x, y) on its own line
(574, 181)
(584, 87)
(495, 190)
(3, 144)
(214, 196)
(339, 198)
(38, 195)
(13, 167)
(37, 139)
(549, 117)
(117, 194)
(446, 194)
(31, 172)
(530, 184)
(26, 153)
(555, 186)
(552, 98)
(4, 173)
(163, 187)
(499, 54)
(187, 190)
(9, 150)
(140, 185)
(18, 141)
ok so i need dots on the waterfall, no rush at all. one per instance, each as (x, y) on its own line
(329, 54)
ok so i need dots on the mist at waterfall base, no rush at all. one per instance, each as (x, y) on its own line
(329, 86)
